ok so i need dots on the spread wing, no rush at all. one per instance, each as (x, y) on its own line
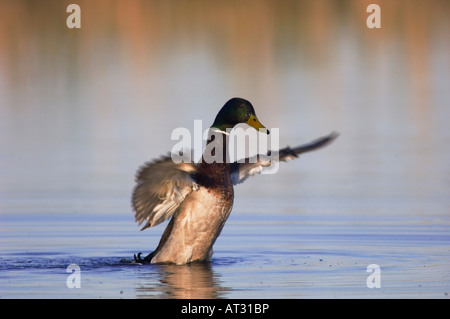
(161, 186)
(255, 165)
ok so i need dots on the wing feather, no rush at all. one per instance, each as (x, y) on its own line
(160, 188)
(255, 165)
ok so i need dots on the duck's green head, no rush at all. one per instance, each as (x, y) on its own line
(237, 111)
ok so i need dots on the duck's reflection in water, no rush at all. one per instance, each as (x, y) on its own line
(191, 281)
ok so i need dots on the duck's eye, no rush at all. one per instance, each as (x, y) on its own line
(254, 120)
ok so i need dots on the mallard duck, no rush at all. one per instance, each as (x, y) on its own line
(198, 197)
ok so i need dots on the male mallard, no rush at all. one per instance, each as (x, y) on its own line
(199, 197)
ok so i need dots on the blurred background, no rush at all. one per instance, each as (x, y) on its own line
(82, 109)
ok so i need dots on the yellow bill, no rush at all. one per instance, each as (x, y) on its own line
(255, 123)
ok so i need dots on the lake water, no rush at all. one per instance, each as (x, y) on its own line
(81, 110)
